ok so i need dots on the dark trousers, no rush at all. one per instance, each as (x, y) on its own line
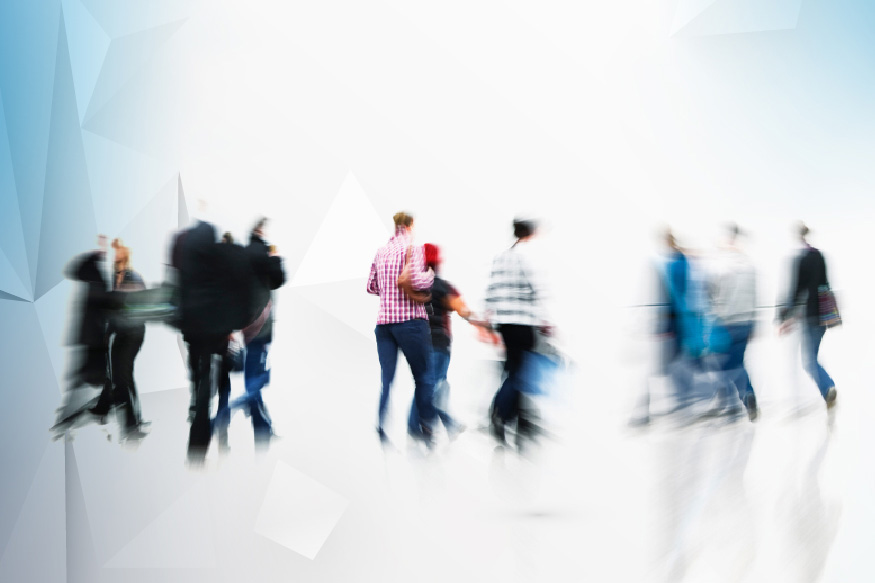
(125, 348)
(119, 388)
(518, 340)
(413, 338)
(204, 374)
(734, 372)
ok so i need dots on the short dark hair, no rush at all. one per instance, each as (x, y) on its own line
(523, 228)
(803, 230)
(259, 224)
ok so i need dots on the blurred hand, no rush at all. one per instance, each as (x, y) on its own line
(787, 326)
(546, 329)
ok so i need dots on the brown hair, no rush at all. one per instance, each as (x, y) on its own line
(403, 219)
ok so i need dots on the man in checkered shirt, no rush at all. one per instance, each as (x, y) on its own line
(403, 323)
(515, 299)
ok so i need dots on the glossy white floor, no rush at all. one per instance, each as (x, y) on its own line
(789, 498)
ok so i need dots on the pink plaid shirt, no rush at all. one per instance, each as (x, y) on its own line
(394, 305)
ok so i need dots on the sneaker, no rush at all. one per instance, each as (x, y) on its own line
(750, 402)
(831, 397)
(134, 433)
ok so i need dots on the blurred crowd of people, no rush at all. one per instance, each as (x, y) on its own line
(707, 315)
(219, 296)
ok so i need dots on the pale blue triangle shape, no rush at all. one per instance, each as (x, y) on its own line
(123, 181)
(745, 16)
(11, 233)
(10, 283)
(88, 44)
(124, 18)
(127, 55)
(68, 225)
(27, 74)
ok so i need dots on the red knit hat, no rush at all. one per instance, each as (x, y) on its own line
(432, 255)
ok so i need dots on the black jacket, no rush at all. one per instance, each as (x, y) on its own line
(809, 274)
(98, 300)
(268, 275)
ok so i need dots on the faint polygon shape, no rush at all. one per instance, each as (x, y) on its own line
(37, 548)
(180, 538)
(125, 57)
(345, 245)
(88, 43)
(123, 181)
(149, 233)
(686, 11)
(30, 396)
(28, 53)
(744, 16)
(347, 301)
(158, 366)
(81, 558)
(126, 489)
(11, 232)
(55, 310)
(298, 512)
(67, 213)
(10, 282)
(125, 18)
(183, 218)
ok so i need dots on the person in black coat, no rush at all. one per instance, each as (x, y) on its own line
(202, 322)
(90, 337)
(267, 275)
(809, 274)
(126, 339)
(88, 269)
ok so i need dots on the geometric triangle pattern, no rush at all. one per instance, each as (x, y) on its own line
(88, 44)
(716, 17)
(351, 217)
(67, 212)
(126, 55)
(14, 273)
(175, 540)
(298, 512)
(40, 531)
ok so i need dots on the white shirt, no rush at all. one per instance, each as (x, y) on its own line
(733, 282)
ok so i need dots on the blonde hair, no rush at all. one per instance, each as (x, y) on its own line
(122, 254)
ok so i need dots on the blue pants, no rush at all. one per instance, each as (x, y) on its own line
(256, 376)
(413, 337)
(734, 372)
(812, 334)
(440, 363)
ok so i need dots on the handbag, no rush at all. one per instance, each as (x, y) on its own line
(827, 307)
(405, 282)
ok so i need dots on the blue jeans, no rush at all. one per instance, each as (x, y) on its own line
(413, 337)
(812, 334)
(440, 363)
(255, 376)
(734, 372)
